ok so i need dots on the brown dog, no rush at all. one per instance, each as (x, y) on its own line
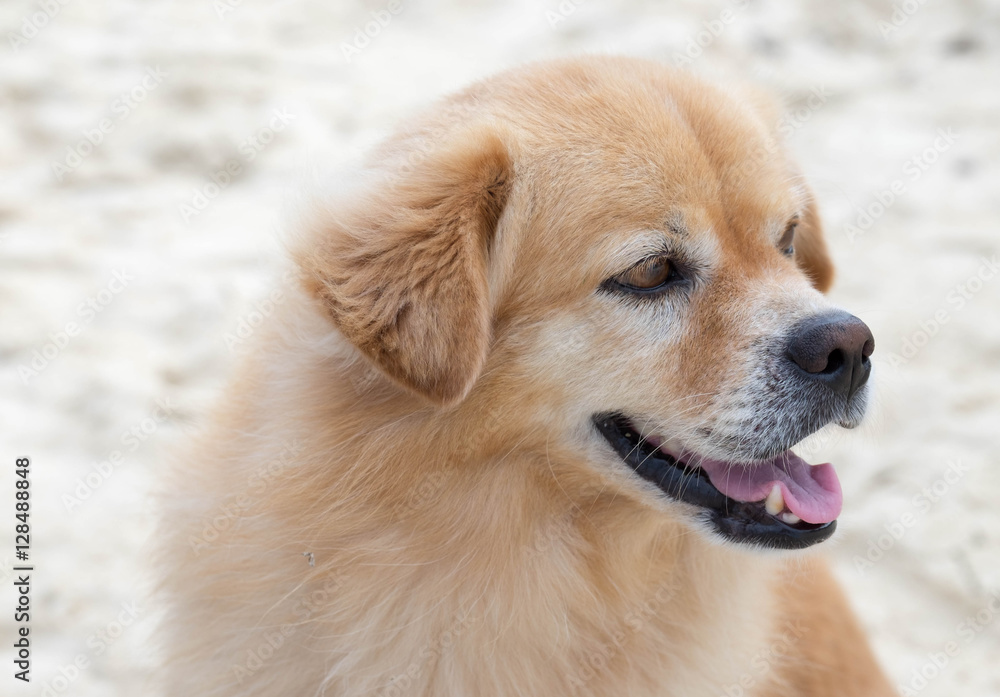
(524, 430)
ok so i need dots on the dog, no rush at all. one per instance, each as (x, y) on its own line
(523, 424)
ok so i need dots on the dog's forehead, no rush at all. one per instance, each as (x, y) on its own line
(669, 157)
(610, 151)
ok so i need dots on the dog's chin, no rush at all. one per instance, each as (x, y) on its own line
(780, 502)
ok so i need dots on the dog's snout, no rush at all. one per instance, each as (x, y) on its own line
(833, 348)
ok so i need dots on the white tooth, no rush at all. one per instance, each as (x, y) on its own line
(775, 501)
(672, 445)
(650, 435)
(790, 518)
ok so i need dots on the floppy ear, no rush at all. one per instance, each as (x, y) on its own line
(810, 248)
(402, 273)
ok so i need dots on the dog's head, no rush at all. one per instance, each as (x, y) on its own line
(626, 257)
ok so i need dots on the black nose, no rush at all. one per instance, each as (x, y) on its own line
(833, 348)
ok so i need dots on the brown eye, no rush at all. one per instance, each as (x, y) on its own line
(787, 242)
(647, 275)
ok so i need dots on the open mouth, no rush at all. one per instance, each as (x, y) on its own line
(784, 502)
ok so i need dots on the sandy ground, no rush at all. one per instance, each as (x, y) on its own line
(127, 297)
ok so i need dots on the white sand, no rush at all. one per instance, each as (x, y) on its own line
(162, 336)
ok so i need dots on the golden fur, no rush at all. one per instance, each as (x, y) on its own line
(402, 493)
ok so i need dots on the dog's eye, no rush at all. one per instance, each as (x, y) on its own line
(648, 276)
(787, 242)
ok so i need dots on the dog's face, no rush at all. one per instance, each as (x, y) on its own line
(634, 250)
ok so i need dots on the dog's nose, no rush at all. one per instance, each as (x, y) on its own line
(833, 348)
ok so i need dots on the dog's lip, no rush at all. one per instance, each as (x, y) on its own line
(749, 522)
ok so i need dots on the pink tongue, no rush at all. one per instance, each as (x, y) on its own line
(811, 492)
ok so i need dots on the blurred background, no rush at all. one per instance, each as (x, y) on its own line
(149, 151)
